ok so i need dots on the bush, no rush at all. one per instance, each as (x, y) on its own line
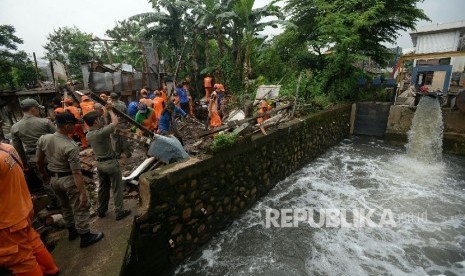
(223, 141)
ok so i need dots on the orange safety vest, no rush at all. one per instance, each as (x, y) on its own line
(87, 107)
(264, 107)
(74, 111)
(158, 105)
(215, 120)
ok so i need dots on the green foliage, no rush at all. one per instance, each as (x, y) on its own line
(16, 70)
(223, 141)
(71, 47)
(126, 52)
(350, 30)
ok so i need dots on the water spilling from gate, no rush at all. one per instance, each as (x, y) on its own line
(424, 192)
(425, 135)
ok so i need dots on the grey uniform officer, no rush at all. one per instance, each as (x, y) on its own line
(64, 172)
(120, 143)
(25, 134)
(108, 170)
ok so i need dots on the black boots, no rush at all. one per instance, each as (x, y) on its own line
(72, 233)
(89, 238)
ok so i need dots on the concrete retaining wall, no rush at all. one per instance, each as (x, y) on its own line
(188, 202)
(400, 121)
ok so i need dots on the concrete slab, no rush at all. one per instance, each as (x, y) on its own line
(103, 258)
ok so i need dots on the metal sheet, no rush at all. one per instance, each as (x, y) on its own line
(437, 42)
(267, 92)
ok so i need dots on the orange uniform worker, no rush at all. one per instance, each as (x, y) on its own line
(78, 127)
(264, 107)
(145, 100)
(207, 84)
(21, 250)
(158, 103)
(147, 117)
(86, 106)
(215, 120)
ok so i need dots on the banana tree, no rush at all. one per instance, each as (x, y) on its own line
(247, 24)
(164, 24)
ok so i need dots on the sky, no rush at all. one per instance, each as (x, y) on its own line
(35, 19)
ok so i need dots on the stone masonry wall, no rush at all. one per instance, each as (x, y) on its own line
(191, 201)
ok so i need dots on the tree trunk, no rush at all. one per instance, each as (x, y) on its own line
(207, 51)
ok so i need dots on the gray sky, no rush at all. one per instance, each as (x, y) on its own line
(35, 19)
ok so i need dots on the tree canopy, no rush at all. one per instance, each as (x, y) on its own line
(325, 38)
(16, 70)
(70, 46)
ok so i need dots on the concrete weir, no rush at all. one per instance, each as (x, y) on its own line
(186, 203)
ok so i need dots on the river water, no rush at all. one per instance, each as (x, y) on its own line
(423, 204)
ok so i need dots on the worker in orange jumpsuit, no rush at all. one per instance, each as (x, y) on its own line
(264, 107)
(86, 106)
(207, 84)
(145, 98)
(158, 103)
(147, 117)
(78, 127)
(21, 250)
(215, 120)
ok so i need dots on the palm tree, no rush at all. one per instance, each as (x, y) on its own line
(165, 24)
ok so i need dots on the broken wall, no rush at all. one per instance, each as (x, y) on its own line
(189, 202)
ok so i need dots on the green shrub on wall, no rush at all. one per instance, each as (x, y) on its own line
(223, 141)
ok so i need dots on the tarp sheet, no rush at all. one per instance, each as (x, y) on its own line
(167, 149)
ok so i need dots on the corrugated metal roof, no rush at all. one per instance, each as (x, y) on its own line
(439, 27)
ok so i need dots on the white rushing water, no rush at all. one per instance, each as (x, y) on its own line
(425, 135)
(427, 201)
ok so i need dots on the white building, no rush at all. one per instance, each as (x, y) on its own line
(439, 59)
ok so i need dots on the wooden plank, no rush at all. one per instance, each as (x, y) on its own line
(234, 124)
